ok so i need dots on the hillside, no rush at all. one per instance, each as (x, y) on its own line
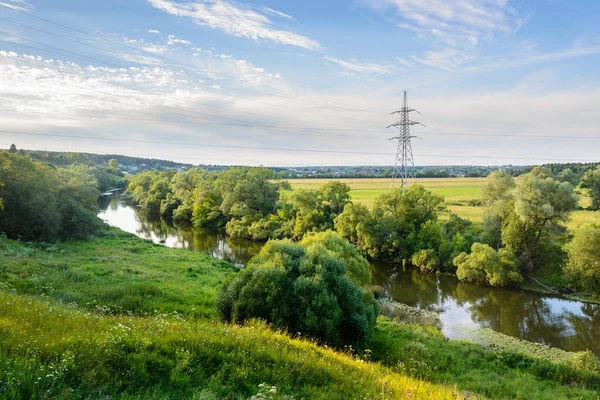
(120, 317)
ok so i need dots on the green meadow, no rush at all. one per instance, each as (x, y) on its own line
(117, 317)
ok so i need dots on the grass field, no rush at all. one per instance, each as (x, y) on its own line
(457, 192)
(118, 317)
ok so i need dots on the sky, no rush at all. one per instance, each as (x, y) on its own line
(294, 83)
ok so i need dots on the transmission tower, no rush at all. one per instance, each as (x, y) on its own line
(404, 167)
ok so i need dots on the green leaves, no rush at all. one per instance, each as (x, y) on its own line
(583, 266)
(487, 266)
(304, 288)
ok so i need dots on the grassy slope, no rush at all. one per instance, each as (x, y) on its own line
(148, 354)
(426, 354)
(117, 272)
(49, 350)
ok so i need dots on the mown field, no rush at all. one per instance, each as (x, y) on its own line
(118, 317)
(458, 192)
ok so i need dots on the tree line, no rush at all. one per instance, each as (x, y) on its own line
(523, 228)
(41, 201)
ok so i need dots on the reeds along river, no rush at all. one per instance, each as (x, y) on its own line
(463, 308)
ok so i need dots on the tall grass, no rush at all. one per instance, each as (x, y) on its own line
(51, 350)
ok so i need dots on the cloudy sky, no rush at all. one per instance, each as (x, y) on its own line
(302, 83)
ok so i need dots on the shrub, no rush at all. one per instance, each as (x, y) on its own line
(426, 260)
(486, 265)
(357, 266)
(301, 288)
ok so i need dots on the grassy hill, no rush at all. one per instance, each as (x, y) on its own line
(120, 318)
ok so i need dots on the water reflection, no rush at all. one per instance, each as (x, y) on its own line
(463, 308)
(216, 244)
(566, 324)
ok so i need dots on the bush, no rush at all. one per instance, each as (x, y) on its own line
(486, 265)
(426, 260)
(301, 288)
(357, 266)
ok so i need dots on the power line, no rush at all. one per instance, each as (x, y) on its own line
(79, 55)
(151, 54)
(278, 148)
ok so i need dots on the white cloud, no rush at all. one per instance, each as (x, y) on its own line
(531, 59)
(270, 11)
(155, 48)
(20, 5)
(235, 19)
(364, 68)
(461, 25)
(153, 31)
(172, 39)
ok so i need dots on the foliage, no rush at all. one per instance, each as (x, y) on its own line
(303, 289)
(358, 268)
(583, 266)
(496, 195)
(486, 265)
(426, 260)
(391, 230)
(540, 208)
(591, 180)
(44, 203)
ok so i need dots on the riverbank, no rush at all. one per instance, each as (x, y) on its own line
(146, 314)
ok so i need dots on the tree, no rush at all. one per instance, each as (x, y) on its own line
(391, 230)
(487, 266)
(302, 289)
(583, 265)
(540, 206)
(43, 203)
(496, 195)
(568, 175)
(13, 148)
(591, 180)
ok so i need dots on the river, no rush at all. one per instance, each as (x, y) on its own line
(463, 308)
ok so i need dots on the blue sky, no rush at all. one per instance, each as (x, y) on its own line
(229, 82)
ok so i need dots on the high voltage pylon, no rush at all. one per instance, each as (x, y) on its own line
(404, 166)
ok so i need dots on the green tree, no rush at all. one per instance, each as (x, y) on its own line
(487, 266)
(568, 175)
(13, 148)
(583, 265)
(302, 289)
(591, 180)
(44, 203)
(391, 230)
(496, 195)
(540, 207)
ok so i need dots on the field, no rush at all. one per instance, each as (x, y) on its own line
(121, 318)
(458, 192)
